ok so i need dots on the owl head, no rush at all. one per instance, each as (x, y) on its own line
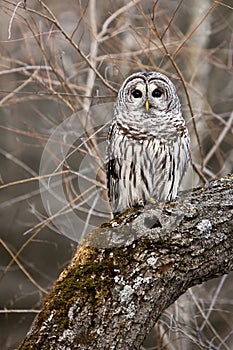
(148, 93)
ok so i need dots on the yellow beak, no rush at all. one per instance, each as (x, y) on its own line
(147, 105)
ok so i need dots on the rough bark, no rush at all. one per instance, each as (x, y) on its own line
(110, 297)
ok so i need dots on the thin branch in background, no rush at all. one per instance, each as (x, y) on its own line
(222, 4)
(207, 321)
(19, 311)
(188, 36)
(164, 341)
(12, 18)
(38, 228)
(32, 179)
(83, 11)
(213, 301)
(48, 62)
(70, 40)
(105, 27)
(220, 139)
(93, 52)
(19, 88)
(16, 260)
(172, 18)
(23, 69)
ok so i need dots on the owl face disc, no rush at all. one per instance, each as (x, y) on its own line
(150, 92)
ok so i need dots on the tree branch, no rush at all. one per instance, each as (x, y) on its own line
(110, 298)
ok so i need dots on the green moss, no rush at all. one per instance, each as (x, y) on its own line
(125, 217)
(90, 282)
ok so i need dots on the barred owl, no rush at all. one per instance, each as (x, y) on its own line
(148, 142)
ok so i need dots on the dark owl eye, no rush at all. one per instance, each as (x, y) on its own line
(137, 93)
(157, 93)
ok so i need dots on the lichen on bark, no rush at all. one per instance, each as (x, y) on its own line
(109, 297)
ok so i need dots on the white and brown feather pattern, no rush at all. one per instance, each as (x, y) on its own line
(148, 142)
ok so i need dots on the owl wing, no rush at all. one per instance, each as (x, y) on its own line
(113, 184)
(112, 179)
(112, 168)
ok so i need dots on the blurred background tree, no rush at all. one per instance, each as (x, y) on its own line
(59, 59)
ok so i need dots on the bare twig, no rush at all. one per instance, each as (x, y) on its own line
(16, 260)
(70, 40)
(220, 139)
(12, 18)
(19, 311)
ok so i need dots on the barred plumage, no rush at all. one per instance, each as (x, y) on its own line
(148, 142)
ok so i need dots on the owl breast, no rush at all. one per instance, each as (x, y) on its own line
(141, 170)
